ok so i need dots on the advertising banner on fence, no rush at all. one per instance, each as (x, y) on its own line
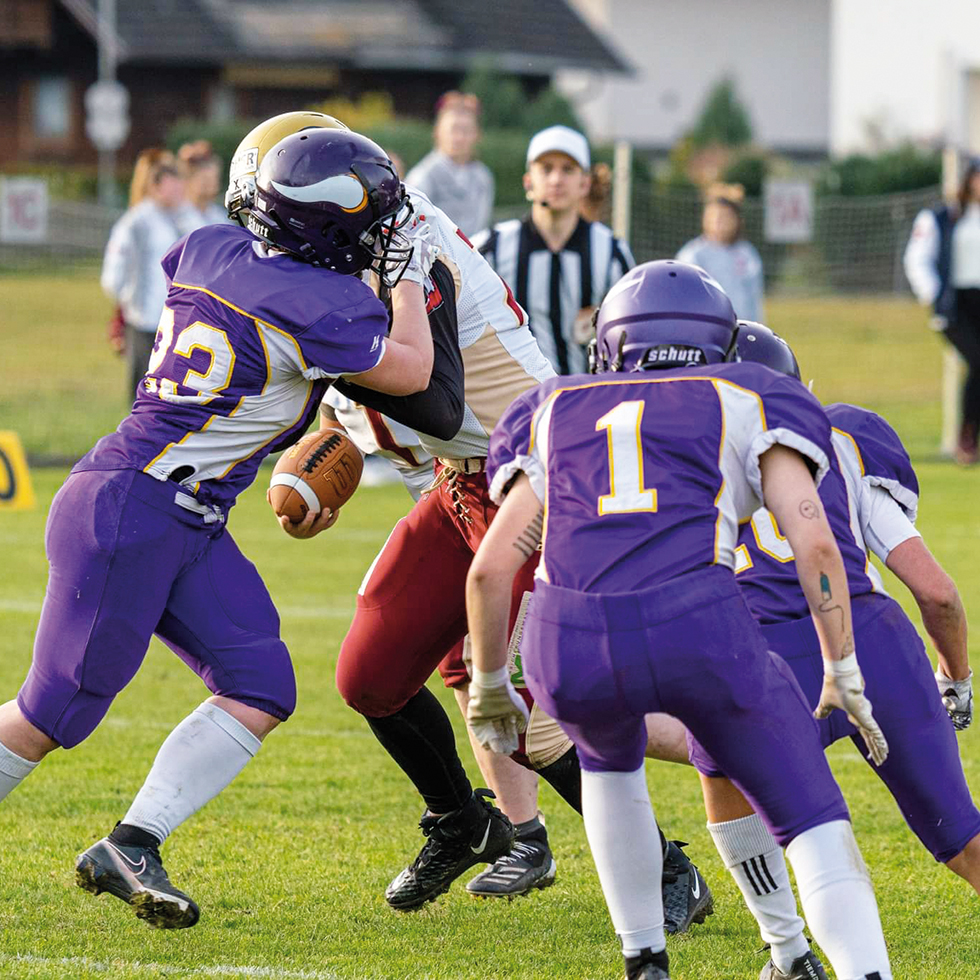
(23, 210)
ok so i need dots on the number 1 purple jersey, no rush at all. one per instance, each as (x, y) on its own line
(867, 453)
(245, 349)
(646, 476)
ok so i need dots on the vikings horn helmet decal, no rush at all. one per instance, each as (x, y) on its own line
(253, 148)
(333, 198)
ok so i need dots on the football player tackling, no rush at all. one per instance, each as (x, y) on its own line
(635, 483)
(256, 325)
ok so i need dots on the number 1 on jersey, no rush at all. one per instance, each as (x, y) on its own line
(627, 493)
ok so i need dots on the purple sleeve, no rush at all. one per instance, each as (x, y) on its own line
(792, 418)
(511, 444)
(171, 260)
(884, 460)
(346, 341)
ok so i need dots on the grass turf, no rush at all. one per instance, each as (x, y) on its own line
(290, 863)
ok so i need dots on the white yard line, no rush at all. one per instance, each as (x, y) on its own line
(135, 966)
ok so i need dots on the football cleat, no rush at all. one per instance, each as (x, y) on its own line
(137, 876)
(647, 965)
(687, 897)
(527, 866)
(475, 833)
(806, 967)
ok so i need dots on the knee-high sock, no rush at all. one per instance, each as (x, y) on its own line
(625, 843)
(756, 863)
(198, 759)
(13, 770)
(838, 900)
(420, 738)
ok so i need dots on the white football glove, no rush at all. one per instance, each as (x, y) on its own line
(497, 713)
(957, 698)
(424, 253)
(843, 687)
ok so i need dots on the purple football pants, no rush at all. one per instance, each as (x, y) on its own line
(923, 770)
(690, 648)
(127, 562)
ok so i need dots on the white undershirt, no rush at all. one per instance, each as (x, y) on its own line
(966, 249)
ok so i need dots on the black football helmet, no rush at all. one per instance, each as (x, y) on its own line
(756, 342)
(333, 198)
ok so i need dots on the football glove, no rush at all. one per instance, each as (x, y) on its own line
(424, 252)
(843, 687)
(497, 713)
(957, 698)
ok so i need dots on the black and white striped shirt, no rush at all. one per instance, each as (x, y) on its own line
(554, 286)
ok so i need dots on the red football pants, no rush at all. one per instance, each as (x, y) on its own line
(411, 606)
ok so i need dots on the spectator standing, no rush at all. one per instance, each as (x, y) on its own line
(558, 264)
(449, 175)
(725, 255)
(201, 170)
(942, 263)
(131, 272)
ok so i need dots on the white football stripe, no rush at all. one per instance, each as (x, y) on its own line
(298, 484)
(166, 969)
(343, 189)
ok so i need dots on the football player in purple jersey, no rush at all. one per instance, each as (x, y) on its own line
(870, 497)
(634, 482)
(257, 324)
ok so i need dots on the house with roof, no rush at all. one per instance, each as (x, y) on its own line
(225, 59)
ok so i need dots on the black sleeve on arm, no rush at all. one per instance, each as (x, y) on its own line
(437, 411)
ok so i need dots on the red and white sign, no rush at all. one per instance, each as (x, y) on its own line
(788, 210)
(23, 210)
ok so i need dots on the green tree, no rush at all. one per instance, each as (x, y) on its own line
(723, 118)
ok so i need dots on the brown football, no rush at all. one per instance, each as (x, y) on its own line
(322, 470)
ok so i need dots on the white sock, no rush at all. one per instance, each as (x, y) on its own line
(199, 758)
(622, 832)
(756, 863)
(838, 900)
(13, 770)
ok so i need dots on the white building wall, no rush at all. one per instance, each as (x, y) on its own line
(901, 69)
(777, 51)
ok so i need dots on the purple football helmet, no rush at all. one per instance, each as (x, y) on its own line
(663, 314)
(757, 343)
(332, 198)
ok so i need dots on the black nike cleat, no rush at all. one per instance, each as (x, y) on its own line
(528, 865)
(477, 832)
(806, 967)
(686, 895)
(647, 965)
(137, 876)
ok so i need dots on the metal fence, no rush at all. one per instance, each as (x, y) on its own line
(857, 241)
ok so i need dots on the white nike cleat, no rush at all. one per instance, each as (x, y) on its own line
(475, 833)
(137, 876)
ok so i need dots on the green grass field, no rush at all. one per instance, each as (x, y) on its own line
(290, 864)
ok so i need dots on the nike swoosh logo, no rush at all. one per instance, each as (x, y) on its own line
(483, 843)
(696, 888)
(139, 868)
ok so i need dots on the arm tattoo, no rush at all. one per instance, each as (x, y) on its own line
(809, 510)
(828, 606)
(528, 540)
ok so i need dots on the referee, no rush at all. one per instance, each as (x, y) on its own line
(558, 265)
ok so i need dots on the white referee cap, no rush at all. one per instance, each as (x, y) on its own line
(560, 139)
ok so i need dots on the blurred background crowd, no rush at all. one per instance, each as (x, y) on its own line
(768, 142)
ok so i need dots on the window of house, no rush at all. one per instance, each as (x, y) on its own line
(52, 107)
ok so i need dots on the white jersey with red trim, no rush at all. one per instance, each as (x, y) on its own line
(377, 435)
(501, 358)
